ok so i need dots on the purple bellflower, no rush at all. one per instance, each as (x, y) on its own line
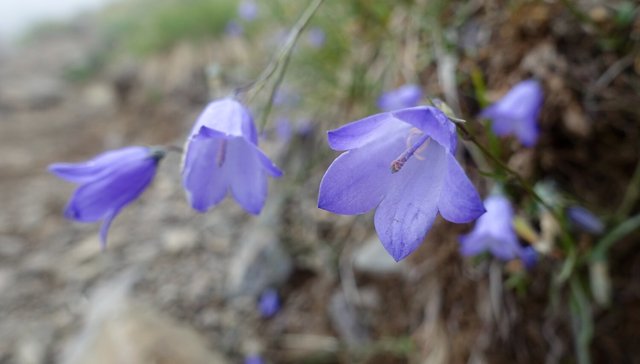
(253, 359)
(269, 303)
(108, 182)
(222, 154)
(402, 164)
(248, 10)
(403, 97)
(516, 113)
(493, 232)
(585, 220)
(529, 257)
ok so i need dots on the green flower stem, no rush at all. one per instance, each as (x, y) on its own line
(281, 58)
(622, 230)
(631, 195)
(565, 237)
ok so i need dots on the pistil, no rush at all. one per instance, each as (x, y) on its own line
(222, 152)
(399, 162)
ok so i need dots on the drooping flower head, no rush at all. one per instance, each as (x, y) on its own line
(269, 303)
(107, 183)
(516, 113)
(402, 164)
(493, 232)
(403, 97)
(222, 154)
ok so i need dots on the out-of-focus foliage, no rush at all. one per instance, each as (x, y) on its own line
(147, 26)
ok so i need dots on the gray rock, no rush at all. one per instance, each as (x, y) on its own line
(36, 93)
(344, 319)
(261, 262)
(373, 258)
(121, 329)
(178, 240)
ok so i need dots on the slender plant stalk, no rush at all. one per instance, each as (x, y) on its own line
(623, 229)
(283, 52)
(566, 239)
(631, 195)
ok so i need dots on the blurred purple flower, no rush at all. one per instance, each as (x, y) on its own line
(108, 182)
(269, 303)
(529, 257)
(493, 231)
(402, 164)
(222, 154)
(585, 220)
(285, 96)
(253, 359)
(403, 97)
(233, 29)
(316, 37)
(516, 113)
(248, 10)
(283, 129)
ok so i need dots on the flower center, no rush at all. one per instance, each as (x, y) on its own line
(222, 152)
(413, 148)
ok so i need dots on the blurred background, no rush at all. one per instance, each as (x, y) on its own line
(78, 77)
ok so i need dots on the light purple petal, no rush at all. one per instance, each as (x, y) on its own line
(433, 122)
(106, 224)
(362, 132)
(93, 200)
(493, 231)
(246, 176)
(504, 249)
(268, 165)
(229, 117)
(269, 303)
(358, 179)
(471, 245)
(459, 201)
(401, 98)
(527, 131)
(202, 175)
(410, 206)
(500, 124)
(91, 169)
(517, 112)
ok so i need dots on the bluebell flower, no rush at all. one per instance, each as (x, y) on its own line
(107, 183)
(529, 257)
(253, 359)
(517, 112)
(222, 154)
(402, 164)
(493, 231)
(585, 220)
(316, 37)
(403, 97)
(248, 10)
(269, 303)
